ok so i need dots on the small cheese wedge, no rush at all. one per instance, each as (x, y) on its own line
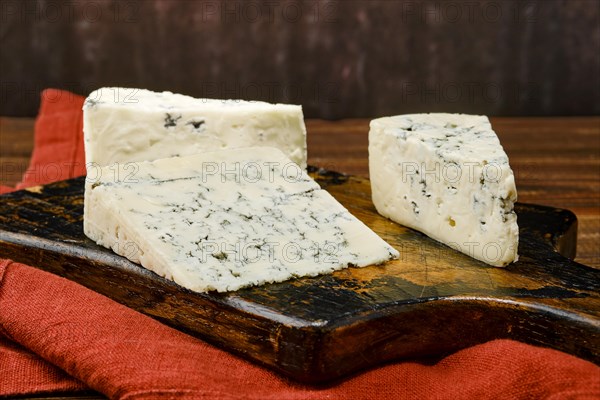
(447, 176)
(225, 220)
(125, 124)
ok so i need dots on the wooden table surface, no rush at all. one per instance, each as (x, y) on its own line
(556, 162)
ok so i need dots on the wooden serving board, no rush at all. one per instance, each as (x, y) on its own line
(430, 302)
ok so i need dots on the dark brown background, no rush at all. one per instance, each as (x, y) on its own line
(336, 58)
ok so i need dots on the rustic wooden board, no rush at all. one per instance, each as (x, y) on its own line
(431, 301)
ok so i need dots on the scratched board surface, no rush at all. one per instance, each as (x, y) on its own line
(430, 302)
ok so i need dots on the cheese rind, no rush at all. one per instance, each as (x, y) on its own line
(125, 125)
(225, 220)
(447, 176)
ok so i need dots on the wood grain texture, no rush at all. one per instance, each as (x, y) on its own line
(16, 145)
(431, 301)
(338, 58)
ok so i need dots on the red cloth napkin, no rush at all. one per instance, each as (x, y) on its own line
(56, 335)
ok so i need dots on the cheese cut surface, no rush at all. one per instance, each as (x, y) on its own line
(447, 176)
(225, 220)
(124, 125)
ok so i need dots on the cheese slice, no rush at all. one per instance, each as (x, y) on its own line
(124, 125)
(225, 220)
(447, 176)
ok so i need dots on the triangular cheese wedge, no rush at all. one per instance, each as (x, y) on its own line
(446, 175)
(225, 220)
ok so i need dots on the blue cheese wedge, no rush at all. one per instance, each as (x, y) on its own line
(225, 220)
(124, 125)
(447, 176)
